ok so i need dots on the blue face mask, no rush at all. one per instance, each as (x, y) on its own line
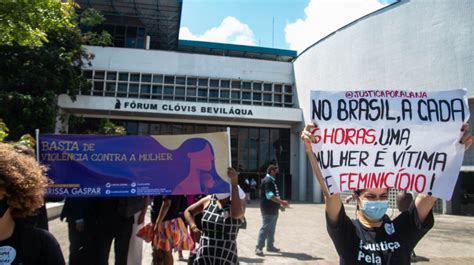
(374, 210)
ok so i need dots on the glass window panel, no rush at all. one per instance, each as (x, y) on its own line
(131, 31)
(180, 80)
(246, 85)
(133, 89)
(267, 97)
(177, 128)
(191, 99)
(277, 98)
(168, 90)
(122, 87)
(257, 96)
(288, 89)
(146, 78)
(120, 30)
(188, 128)
(278, 88)
(225, 94)
(202, 92)
(224, 100)
(111, 75)
(202, 99)
(141, 32)
(134, 77)
(246, 95)
(166, 128)
(143, 128)
(267, 87)
(191, 91)
(123, 76)
(169, 79)
(235, 84)
(145, 89)
(168, 97)
(132, 128)
(130, 42)
(180, 91)
(140, 43)
(288, 99)
(192, 81)
(214, 83)
(154, 129)
(202, 82)
(110, 87)
(257, 86)
(99, 75)
(157, 79)
(277, 104)
(247, 102)
(156, 90)
(225, 83)
(98, 86)
(213, 93)
(235, 94)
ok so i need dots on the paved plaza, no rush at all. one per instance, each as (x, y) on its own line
(301, 235)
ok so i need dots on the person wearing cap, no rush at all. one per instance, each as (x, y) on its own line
(22, 188)
(222, 217)
(373, 238)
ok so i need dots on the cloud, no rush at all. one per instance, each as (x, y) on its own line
(231, 30)
(323, 17)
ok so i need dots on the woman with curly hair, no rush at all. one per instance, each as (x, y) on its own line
(22, 187)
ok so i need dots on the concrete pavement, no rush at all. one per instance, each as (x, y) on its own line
(301, 235)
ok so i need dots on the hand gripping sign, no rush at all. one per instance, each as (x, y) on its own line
(388, 139)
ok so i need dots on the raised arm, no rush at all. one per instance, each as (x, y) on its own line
(424, 203)
(237, 208)
(333, 202)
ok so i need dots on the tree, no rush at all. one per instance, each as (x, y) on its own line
(33, 75)
(27, 23)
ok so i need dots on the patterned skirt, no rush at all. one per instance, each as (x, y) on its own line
(173, 234)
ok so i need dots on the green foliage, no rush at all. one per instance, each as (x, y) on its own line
(26, 139)
(32, 76)
(79, 125)
(3, 131)
(27, 22)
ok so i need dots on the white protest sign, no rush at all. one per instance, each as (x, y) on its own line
(390, 139)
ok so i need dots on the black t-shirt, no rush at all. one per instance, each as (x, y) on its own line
(30, 246)
(391, 243)
(173, 211)
(268, 206)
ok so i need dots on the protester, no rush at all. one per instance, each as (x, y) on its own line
(167, 232)
(40, 218)
(373, 238)
(135, 247)
(269, 206)
(253, 188)
(114, 223)
(73, 212)
(222, 217)
(22, 187)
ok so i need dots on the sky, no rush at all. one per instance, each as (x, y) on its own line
(282, 24)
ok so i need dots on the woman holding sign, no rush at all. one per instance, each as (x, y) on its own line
(373, 238)
(221, 220)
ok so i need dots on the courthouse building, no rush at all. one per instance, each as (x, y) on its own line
(153, 83)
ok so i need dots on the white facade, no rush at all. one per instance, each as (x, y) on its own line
(178, 63)
(411, 45)
(177, 111)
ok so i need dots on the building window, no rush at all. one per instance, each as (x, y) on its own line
(183, 88)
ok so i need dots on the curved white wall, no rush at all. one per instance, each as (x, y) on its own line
(414, 44)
